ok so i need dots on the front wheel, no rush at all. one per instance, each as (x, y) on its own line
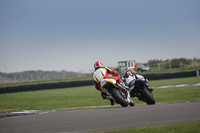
(148, 98)
(118, 97)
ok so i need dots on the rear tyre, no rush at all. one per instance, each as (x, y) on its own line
(118, 98)
(148, 98)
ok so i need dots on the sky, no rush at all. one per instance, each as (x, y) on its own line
(72, 35)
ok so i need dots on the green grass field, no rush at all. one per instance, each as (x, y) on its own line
(193, 127)
(89, 97)
(177, 81)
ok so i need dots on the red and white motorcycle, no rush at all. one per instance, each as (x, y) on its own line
(118, 92)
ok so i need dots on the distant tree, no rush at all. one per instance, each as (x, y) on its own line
(175, 63)
(153, 63)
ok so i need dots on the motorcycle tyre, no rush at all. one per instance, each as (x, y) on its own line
(148, 97)
(118, 98)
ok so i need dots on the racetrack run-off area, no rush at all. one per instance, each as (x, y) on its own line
(102, 119)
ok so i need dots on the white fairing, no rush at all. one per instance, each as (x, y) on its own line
(129, 79)
(140, 76)
(104, 81)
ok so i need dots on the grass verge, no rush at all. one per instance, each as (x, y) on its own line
(175, 81)
(193, 127)
(83, 97)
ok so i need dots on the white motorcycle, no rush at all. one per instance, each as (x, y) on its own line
(117, 91)
(139, 87)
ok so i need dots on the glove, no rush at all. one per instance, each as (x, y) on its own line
(115, 73)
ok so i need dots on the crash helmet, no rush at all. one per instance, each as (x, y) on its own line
(130, 72)
(98, 64)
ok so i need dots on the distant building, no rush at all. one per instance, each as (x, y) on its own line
(123, 66)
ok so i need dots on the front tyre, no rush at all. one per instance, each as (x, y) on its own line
(118, 97)
(148, 98)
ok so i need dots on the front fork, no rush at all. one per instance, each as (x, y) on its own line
(129, 100)
(140, 84)
(144, 83)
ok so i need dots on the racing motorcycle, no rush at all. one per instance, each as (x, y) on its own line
(117, 91)
(139, 87)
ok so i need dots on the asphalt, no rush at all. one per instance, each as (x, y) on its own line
(101, 119)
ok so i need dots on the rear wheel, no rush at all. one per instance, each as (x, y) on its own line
(118, 97)
(148, 98)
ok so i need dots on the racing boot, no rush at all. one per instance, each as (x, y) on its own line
(112, 102)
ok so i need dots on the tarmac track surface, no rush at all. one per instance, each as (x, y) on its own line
(102, 119)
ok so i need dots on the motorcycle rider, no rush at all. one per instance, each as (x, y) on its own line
(101, 73)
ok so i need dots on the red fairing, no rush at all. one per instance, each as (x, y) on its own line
(118, 79)
(98, 86)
